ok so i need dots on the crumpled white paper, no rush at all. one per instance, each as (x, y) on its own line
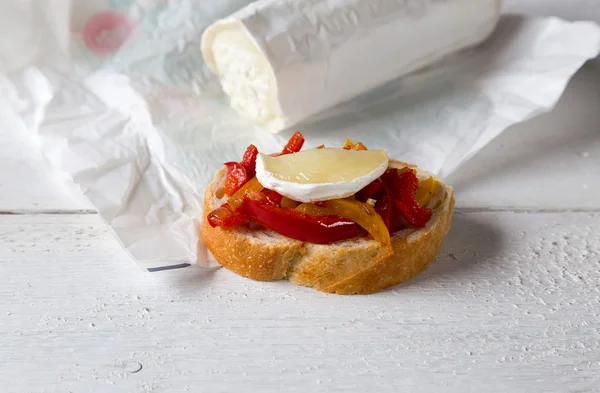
(119, 98)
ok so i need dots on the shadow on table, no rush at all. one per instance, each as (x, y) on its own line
(195, 277)
(472, 244)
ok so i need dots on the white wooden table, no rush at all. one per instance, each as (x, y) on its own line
(512, 304)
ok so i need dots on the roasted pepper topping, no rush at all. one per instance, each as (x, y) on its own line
(384, 206)
(237, 199)
(425, 191)
(296, 225)
(394, 201)
(403, 185)
(369, 191)
(273, 196)
(294, 145)
(236, 178)
(288, 203)
(249, 161)
(361, 213)
(232, 212)
(225, 217)
(239, 173)
(360, 146)
(349, 145)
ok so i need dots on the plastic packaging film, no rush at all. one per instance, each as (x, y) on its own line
(284, 61)
(118, 96)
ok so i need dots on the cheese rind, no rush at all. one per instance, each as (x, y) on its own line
(320, 174)
(283, 61)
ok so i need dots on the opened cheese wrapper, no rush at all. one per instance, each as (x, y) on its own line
(119, 97)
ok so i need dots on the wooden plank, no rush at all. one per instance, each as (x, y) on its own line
(511, 305)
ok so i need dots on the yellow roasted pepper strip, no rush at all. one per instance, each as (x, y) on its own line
(425, 191)
(288, 203)
(349, 145)
(237, 199)
(360, 146)
(361, 213)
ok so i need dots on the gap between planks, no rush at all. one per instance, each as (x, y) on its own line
(459, 210)
(33, 212)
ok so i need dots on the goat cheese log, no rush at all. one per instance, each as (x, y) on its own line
(283, 61)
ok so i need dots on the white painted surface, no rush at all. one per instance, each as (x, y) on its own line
(511, 305)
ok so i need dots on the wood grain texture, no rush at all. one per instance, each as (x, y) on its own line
(511, 305)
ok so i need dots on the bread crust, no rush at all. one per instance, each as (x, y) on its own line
(356, 266)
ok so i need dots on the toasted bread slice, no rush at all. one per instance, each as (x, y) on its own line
(355, 266)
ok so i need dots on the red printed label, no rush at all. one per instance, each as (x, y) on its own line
(105, 32)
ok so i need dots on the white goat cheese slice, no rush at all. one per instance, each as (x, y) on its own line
(321, 174)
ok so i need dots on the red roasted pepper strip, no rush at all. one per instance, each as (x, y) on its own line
(370, 190)
(404, 187)
(295, 225)
(389, 176)
(294, 145)
(416, 216)
(385, 207)
(236, 178)
(225, 218)
(273, 196)
(249, 161)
